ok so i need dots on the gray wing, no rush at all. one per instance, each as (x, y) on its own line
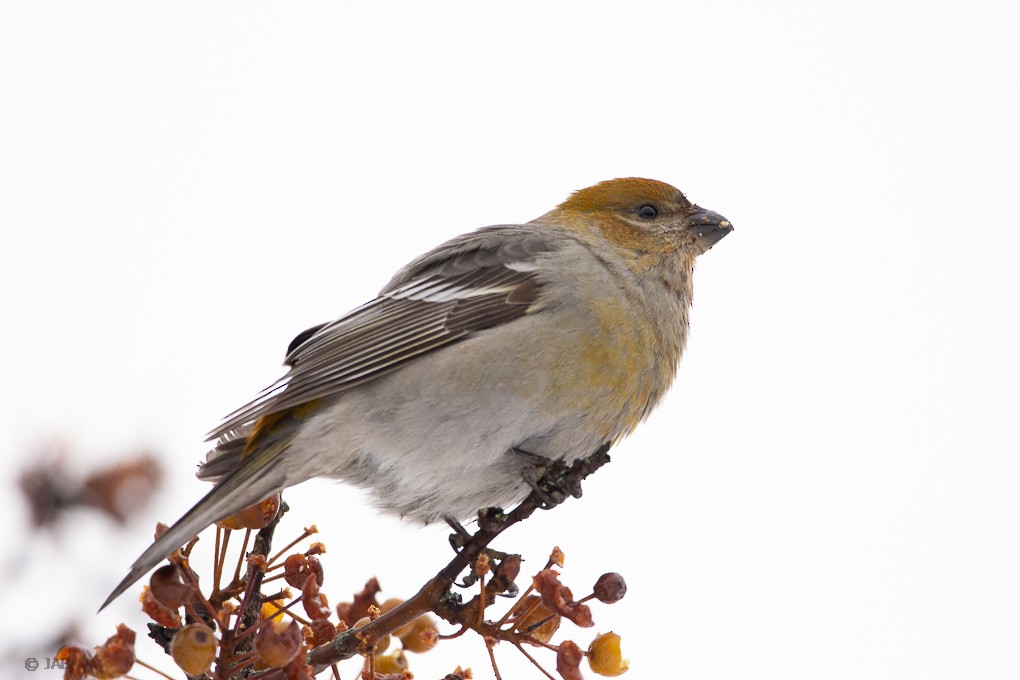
(471, 283)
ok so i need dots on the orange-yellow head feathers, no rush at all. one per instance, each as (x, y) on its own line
(621, 195)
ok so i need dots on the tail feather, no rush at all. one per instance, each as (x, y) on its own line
(249, 483)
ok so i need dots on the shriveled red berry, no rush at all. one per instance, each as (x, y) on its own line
(314, 601)
(278, 643)
(568, 661)
(610, 588)
(76, 659)
(323, 631)
(168, 588)
(116, 656)
(157, 611)
(298, 567)
(558, 598)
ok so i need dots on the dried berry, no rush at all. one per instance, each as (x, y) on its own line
(420, 635)
(298, 669)
(352, 611)
(509, 568)
(390, 605)
(559, 599)
(380, 645)
(194, 648)
(116, 656)
(76, 659)
(256, 516)
(279, 643)
(323, 631)
(122, 489)
(168, 588)
(568, 661)
(533, 611)
(297, 568)
(314, 601)
(605, 657)
(157, 611)
(232, 523)
(391, 664)
(610, 588)
(112, 659)
(273, 609)
(557, 556)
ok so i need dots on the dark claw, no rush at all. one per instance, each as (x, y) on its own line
(460, 535)
(548, 500)
(532, 458)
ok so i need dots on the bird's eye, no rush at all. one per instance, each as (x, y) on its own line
(647, 212)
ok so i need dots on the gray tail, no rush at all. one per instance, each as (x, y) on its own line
(247, 484)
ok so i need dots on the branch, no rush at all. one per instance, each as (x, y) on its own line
(557, 481)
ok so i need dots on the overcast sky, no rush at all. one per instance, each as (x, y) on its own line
(829, 491)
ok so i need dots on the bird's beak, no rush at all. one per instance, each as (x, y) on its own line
(707, 227)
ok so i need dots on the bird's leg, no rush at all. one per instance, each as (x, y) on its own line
(460, 535)
(548, 479)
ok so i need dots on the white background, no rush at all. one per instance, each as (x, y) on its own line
(830, 490)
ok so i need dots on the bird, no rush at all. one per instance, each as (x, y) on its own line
(499, 349)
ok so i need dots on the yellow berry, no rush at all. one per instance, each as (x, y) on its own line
(390, 604)
(193, 648)
(273, 609)
(605, 657)
(382, 644)
(420, 635)
(391, 664)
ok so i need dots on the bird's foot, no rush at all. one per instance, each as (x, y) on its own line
(550, 481)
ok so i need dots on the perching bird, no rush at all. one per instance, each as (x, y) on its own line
(498, 349)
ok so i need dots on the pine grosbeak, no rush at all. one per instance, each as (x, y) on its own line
(551, 338)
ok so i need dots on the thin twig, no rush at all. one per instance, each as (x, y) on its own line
(153, 669)
(490, 647)
(309, 531)
(532, 660)
(241, 555)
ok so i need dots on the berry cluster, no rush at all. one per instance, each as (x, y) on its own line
(243, 627)
(536, 615)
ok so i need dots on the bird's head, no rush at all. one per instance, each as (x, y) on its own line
(643, 216)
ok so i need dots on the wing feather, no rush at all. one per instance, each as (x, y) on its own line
(467, 285)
